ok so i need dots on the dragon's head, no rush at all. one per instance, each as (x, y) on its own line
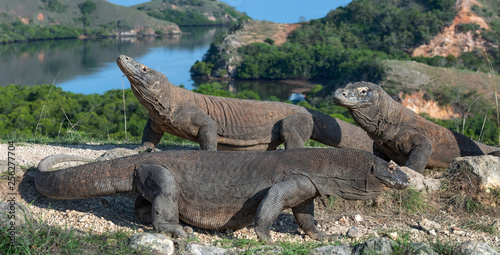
(357, 95)
(145, 82)
(391, 175)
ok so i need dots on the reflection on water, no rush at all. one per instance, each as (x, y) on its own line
(88, 66)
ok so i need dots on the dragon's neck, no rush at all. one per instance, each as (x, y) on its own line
(380, 120)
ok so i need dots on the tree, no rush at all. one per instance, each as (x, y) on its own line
(87, 7)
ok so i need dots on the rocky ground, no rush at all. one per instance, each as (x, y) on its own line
(388, 216)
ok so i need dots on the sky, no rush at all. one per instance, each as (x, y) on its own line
(281, 11)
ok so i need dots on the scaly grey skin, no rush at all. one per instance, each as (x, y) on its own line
(225, 189)
(402, 135)
(228, 123)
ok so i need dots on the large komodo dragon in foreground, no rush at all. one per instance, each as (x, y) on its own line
(402, 135)
(225, 189)
(228, 123)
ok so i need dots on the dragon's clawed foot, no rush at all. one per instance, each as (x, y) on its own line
(175, 230)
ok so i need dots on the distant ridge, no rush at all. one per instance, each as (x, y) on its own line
(94, 16)
(192, 12)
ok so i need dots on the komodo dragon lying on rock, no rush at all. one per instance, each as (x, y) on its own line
(402, 135)
(229, 123)
(225, 189)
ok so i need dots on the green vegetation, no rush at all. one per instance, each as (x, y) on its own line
(33, 113)
(482, 227)
(47, 111)
(187, 18)
(479, 122)
(320, 61)
(18, 31)
(192, 12)
(86, 8)
(32, 239)
(412, 201)
(55, 6)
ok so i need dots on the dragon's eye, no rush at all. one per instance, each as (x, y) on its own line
(363, 91)
(145, 69)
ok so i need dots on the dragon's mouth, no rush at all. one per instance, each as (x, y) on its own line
(129, 67)
(123, 64)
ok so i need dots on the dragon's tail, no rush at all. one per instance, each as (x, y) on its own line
(48, 162)
(89, 180)
(338, 133)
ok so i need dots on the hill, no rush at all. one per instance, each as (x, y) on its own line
(346, 44)
(192, 12)
(44, 19)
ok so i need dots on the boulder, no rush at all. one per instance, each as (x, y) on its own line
(199, 249)
(375, 245)
(342, 249)
(420, 249)
(475, 248)
(487, 167)
(14, 215)
(419, 182)
(155, 243)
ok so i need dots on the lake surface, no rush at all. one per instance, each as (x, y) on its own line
(88, 66)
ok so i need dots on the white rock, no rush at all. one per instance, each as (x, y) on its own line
(487, 167)
(393, 235)
(475, 248)
(358, 218)
(200, 249)
(156, 243)
(419, 182)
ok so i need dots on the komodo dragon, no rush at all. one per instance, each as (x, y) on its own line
(402, 135)
(225, 189)
(229, 123)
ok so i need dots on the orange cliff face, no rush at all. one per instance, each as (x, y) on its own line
(418, 104)
(451, 42)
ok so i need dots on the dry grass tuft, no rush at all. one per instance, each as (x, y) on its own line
(462, 190)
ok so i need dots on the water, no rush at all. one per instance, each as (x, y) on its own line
(88, 66)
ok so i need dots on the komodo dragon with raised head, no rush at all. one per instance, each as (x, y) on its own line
(402, 135)
(229, 123)
(225, 189)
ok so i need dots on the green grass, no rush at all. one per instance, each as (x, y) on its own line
(402, 243)
(298, 247)
(481, 227)
(412, 201)
(51, 240)
(65, 240)
(495, 193)
(443, 248)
